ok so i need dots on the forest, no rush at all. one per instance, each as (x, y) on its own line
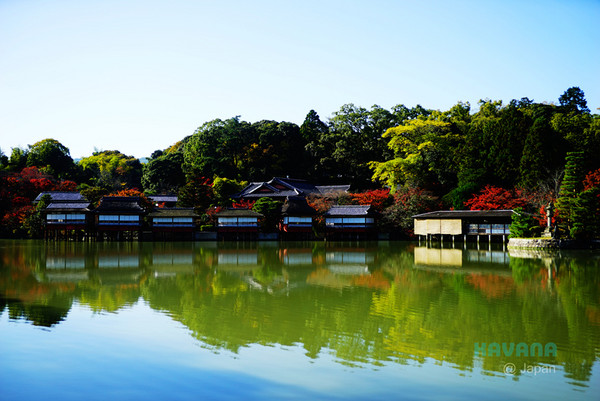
(404, 161)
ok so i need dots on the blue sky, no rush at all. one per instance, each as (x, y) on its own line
(140, 75)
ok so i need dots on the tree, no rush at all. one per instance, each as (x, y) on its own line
(33, 223)
(223, 188)
(112, 170)
(573, 101)
(18, 159)
(494, 198)
(523, 225)
(271, 209)
(52, 157)
(3, 160)
(163, 174)
(196, 193)
(570, 188)
(398, 218)
(218, 149)
(315, 133)
(423, 155)
(355, 139)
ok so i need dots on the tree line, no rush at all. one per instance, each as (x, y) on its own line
(447, 159)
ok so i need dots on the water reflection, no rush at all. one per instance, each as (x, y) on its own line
(368, 304)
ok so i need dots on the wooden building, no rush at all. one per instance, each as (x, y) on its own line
(237, 224)
(119, 218)
(350, 222)
(173, 223)
(67, 220)
(463, 224)
(297, 219)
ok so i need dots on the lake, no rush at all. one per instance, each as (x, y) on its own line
(314, 320)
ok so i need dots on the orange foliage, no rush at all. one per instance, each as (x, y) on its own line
(376, 280)
(491, 285)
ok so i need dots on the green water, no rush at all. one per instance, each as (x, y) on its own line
(294, 320)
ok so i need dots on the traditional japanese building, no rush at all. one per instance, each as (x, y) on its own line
(67, 220)
(66, 216)
(463, 224)
(350, 222)
(281, 188)
(173, 223)
(118, 218)
(238, 224)
(297, 219)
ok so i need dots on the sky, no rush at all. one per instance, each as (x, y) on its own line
(140, 75)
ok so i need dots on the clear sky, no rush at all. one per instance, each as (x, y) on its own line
(139, 75)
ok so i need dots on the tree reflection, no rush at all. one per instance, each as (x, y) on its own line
(364, 305)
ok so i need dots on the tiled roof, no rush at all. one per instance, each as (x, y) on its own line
(163, 198)
(291, 187)
(331, 189)
(58, 196)
(69, 206)
(173, 212)
(460, 214)
(349, 210)
(115, 204)
(238, 213)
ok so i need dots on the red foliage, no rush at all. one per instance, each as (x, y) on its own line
(592, 180)
(378, 198)
(244, 204)
(494, 198)
(66, 185)
(144, 201)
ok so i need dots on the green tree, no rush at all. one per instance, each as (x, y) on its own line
(163, 174)
(3, 160)
(112, 170)
(586, 215)
(223, 188)
(355, 139)
(218, 149)
(570, 188)
(33, 224)
(315, 133)
(424, 153)
(18, 159)
(271, 209)
(523, 225)
(573, 101)
(52, 157)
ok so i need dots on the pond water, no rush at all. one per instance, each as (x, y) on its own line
(386, 320)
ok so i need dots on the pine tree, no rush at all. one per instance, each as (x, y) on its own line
(571, 187)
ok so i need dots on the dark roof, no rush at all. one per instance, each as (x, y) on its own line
(119, 204)
(61, 196)
(285, 187)
(238, 213)
(349, 210)
(461, 214)
(163, 198)
(332, 189)
(173, 212)
(68, 206)
(297, 206)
